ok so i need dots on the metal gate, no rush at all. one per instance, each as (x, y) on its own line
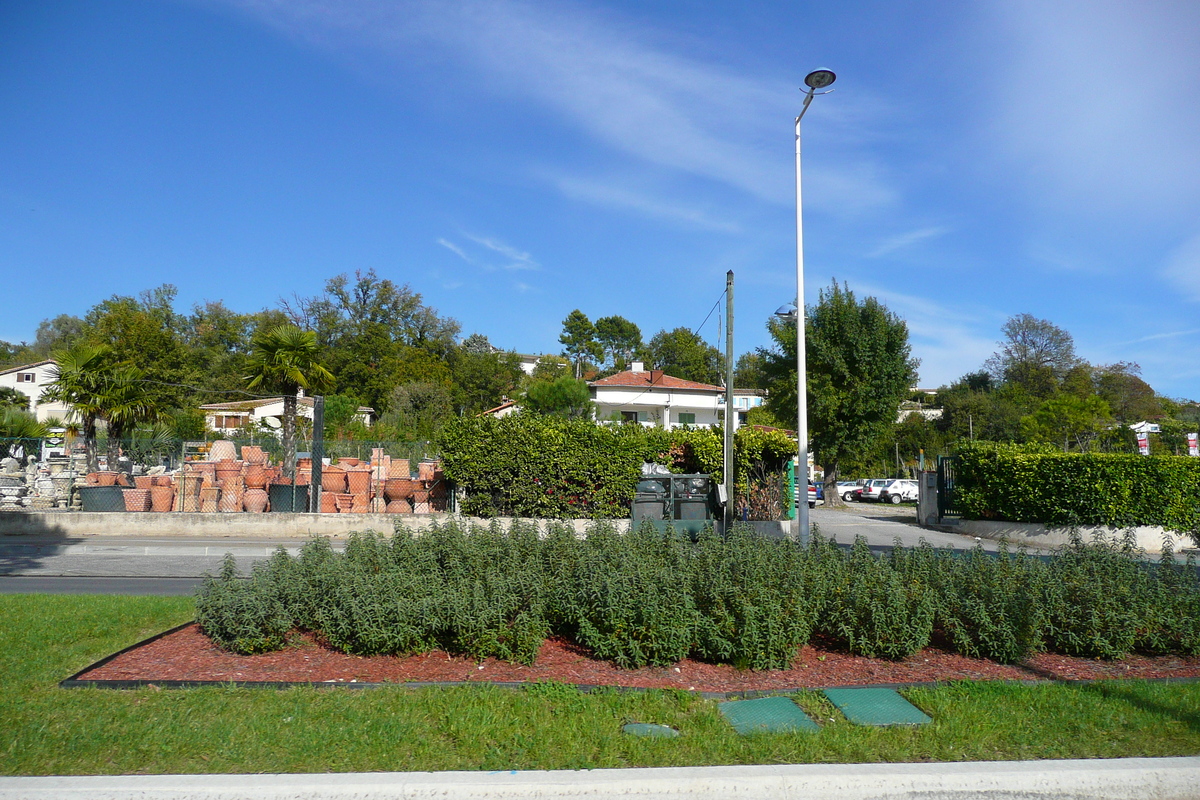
(947, 499)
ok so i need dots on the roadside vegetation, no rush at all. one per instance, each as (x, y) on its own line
(53, 731)
(646, 598)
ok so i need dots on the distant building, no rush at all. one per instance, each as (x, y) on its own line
(241, 413)
(655, 399)
(31, 380)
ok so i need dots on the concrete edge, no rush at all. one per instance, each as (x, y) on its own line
(1127, 779)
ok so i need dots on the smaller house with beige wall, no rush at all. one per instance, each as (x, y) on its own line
(220, 417)
(31, 380)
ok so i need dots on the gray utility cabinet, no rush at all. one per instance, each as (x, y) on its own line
(674, 497)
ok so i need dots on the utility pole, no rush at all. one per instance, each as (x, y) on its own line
(729, 412)
(318, 454)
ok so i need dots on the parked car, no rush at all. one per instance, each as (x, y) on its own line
(848, 490)
(871, 489)
(901, 490)
(815, 492)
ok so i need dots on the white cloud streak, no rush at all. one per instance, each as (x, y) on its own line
(905, 240)
(1183, 268)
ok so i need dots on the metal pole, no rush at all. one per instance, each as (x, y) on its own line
(801, 532)
(318, 454)
(730, 417)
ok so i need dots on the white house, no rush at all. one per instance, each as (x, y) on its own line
(31, 380)
(653, 398)
(240, 413)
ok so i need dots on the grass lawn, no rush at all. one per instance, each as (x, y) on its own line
(47, 730)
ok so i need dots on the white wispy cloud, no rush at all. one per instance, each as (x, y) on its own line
(904, 240)
(517, 259)
(1096, 103)
(604, 76)
(453, 248)
(615, 194)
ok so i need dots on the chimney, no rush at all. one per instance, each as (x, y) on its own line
(655, 376)
(637, 366)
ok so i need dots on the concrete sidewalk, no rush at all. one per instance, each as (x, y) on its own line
(1115, 779)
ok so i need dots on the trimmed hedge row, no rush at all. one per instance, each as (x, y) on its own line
(648, 598)
(1022, 484)
(529, 465)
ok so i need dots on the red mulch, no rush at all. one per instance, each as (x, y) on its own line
(188, 655)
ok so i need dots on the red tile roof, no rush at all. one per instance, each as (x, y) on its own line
(654, 379)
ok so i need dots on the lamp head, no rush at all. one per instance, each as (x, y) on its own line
(786, 311)
(819, 79)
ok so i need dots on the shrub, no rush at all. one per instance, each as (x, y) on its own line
(243, 616)
(874, 611)
(1032, 484)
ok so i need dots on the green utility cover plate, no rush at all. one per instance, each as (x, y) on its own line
(876, 706)
(766, 715)
(650, 729)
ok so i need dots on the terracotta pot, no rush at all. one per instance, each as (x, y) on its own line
(426, 469)
(420, 496)
(348, 462)
(333, 480)
(164, 480)
(361, 502)
(93, 479)
(398, 488)
(399, 468)
(421, 508)
(399, 507)
(162, 498)
(281, 480)
(304, 463)
(358, 480)
(222, 449)
(256, 476)
(328, 503)
(255, 501)
(303, 478)
(231, 501)
(143, 481)
(136, 499)
(378, 505)
(106, 478)
(207, 500)
(254, 455)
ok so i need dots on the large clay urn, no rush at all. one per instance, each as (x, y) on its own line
(255, 501)
(256, 476)
(425, 470)
(333, 480)
(136, 499)
(397, 488)
(231, 501)
(358, 480)
(228, 468)
(162, 498)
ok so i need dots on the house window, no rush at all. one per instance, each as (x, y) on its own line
(26, 377)
(687, 418)
(629, 416)
(229, 422)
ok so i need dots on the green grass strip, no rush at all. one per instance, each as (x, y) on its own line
(52, 731)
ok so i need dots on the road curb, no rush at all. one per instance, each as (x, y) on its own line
(1116, 779)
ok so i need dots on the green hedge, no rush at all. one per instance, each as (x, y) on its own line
(1024, 484)
(647, 598)
(530, 465)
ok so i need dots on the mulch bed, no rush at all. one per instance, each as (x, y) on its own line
(188, 655)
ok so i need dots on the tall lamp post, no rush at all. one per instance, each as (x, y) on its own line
(817, 79)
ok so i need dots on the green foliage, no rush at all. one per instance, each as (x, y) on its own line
(859, 368)
(565, 397)
(245, 616)
(579, 340)
(1038, 484)
(874, 610)
(682, 354)
(991, 606)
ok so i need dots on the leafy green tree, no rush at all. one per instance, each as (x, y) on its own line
(564, 397)
(11, 398)
(619, 339)
(1029, 346)
(80, 378)
(54, 334)
(579, 341)
(482, 381)
(859, 368)
(1130, 398)
(127, 402)
(419, 409)
(748, 372)
(286, 359)
(218, 344)
(1066, 418)
(478, 343)
(550, 368)
(683, 354)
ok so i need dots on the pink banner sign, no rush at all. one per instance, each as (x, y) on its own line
(1194, 445)
(1144, 443)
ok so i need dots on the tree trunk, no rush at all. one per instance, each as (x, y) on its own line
(289, 435)
(89, 443)
(833, 497)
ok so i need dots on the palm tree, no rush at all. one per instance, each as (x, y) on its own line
(284, 359)
(80, 379)
(126, 404)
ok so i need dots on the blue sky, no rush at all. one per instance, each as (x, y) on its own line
(512, 161)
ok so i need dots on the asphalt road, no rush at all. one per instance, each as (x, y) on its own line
(170, 566)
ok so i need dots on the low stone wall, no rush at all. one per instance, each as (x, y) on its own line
(271, 525)
(1036, 534)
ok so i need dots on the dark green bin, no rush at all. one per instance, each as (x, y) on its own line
(283, 497)
(102, 498)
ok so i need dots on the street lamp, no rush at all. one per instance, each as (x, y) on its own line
(817, 79)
